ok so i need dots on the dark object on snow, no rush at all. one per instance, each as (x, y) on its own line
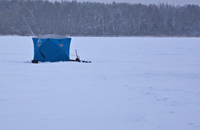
(86, 61)
(34, 61)
(73, 60)
(83, 61)
(77, 59)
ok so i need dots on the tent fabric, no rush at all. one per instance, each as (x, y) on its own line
(51, 48)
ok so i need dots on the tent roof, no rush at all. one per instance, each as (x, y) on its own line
(53, 36)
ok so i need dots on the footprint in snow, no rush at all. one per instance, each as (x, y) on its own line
(171, 112)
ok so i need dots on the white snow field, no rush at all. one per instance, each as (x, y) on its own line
(132, 84)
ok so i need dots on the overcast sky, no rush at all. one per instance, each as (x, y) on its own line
(175, 2)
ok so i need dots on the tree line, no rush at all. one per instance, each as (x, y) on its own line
(37, 17)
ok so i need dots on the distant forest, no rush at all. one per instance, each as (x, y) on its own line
(37, 17)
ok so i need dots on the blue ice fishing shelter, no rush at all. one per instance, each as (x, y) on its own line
(51, 48)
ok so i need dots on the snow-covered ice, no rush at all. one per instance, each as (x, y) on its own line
(132, 84)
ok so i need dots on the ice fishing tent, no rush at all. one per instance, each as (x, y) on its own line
(51, 48)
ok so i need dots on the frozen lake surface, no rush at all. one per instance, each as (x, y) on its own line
(132, 84)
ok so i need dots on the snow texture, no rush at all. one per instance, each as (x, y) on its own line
(132, 84)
